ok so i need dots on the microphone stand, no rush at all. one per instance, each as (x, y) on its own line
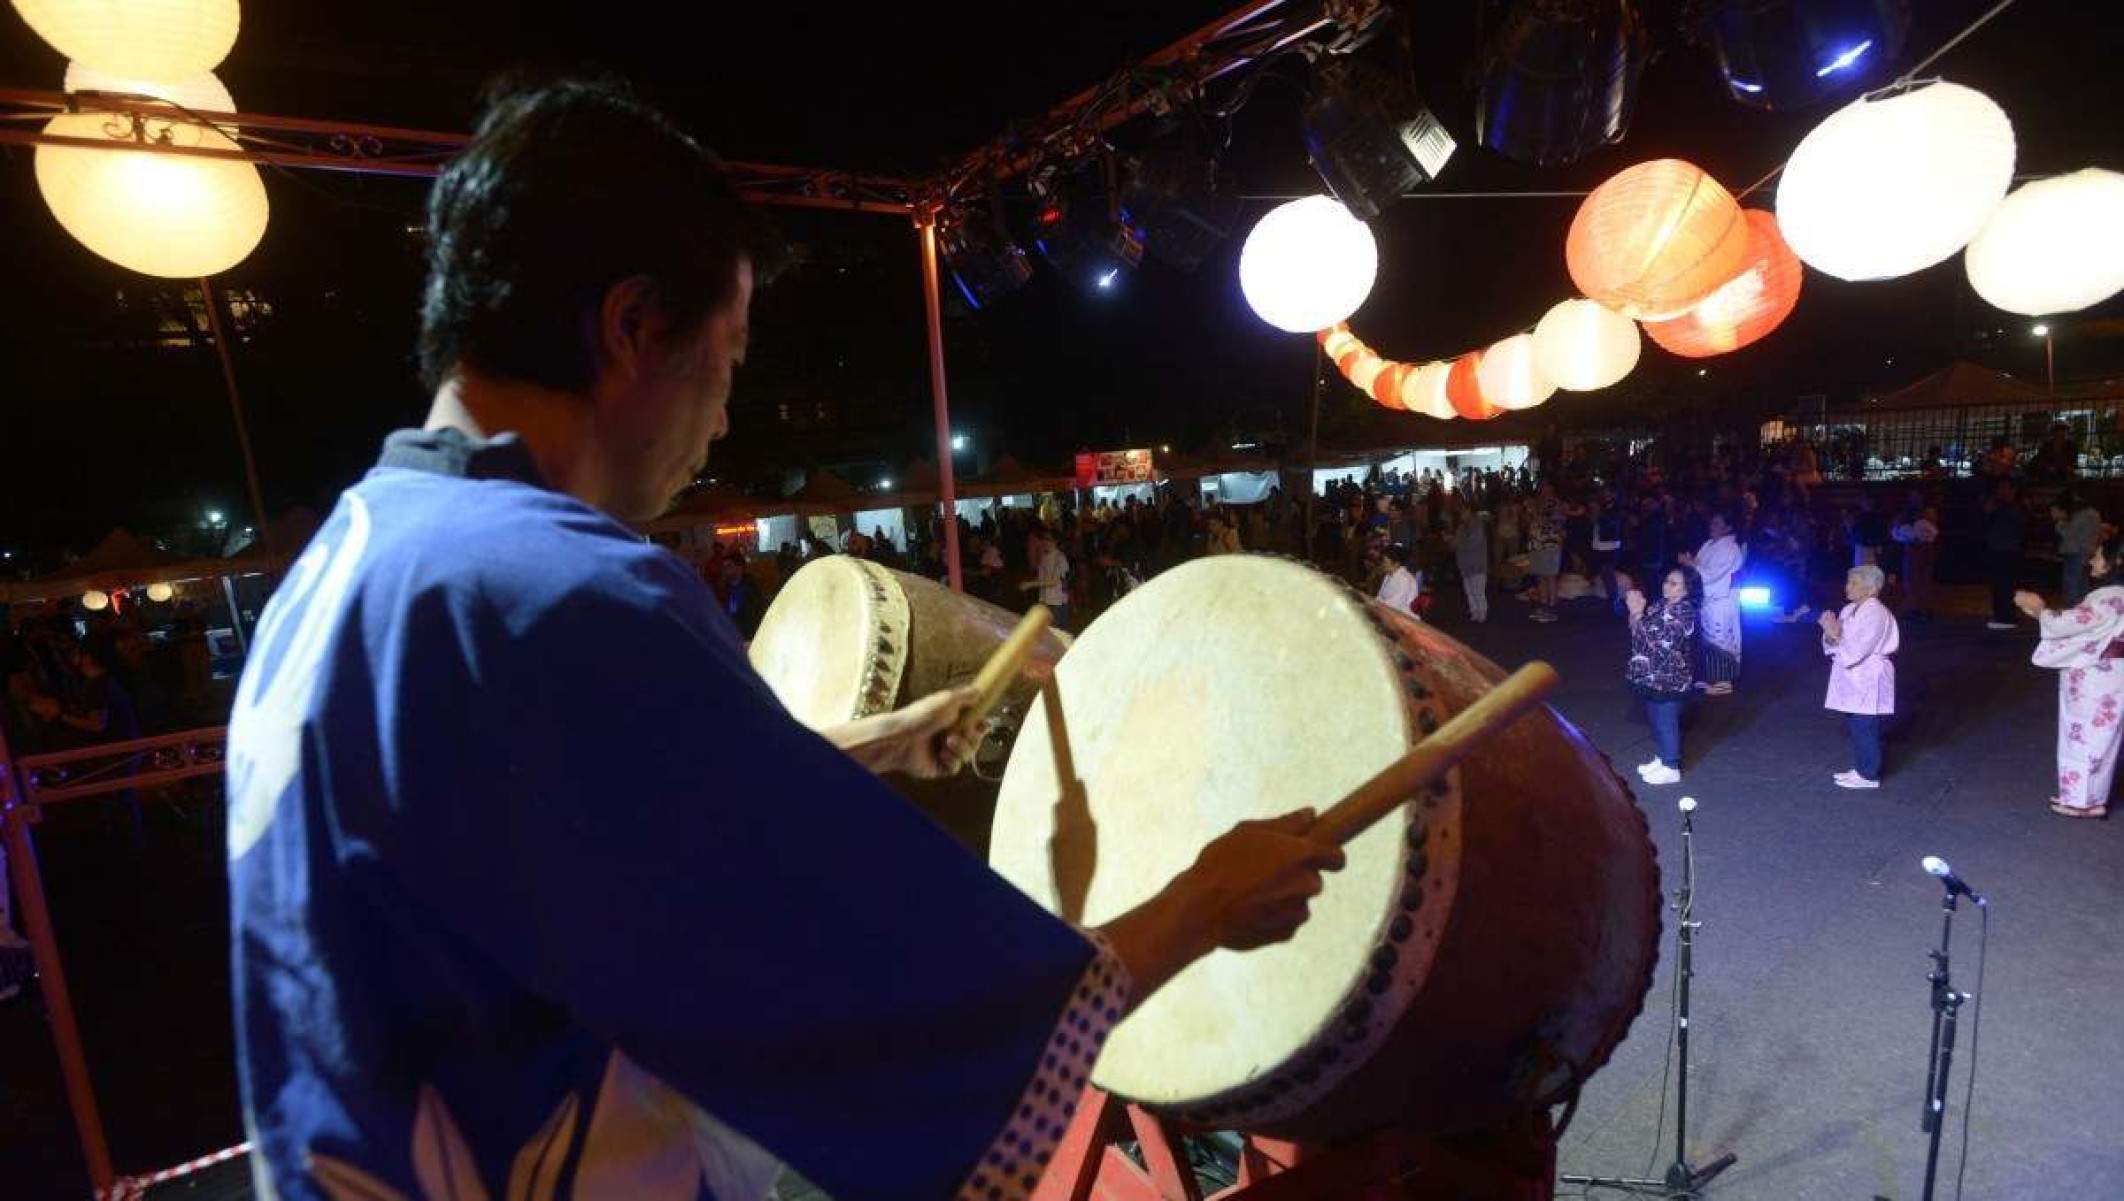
(1946, 1007)
(1683, 1181)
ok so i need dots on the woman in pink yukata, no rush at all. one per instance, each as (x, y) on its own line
(2081, 644)
(1859, 642)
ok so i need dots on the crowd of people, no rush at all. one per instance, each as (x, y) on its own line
(1668, 545)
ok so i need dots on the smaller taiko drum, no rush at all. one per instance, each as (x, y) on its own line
(1486, 945)
(846, 638)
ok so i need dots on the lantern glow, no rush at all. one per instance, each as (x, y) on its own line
(160, 593)
(1510, 377)
(173, 216)
(1890, 185)
(138, 39)
(1655, 239)
(1584, 346)
(2055, 246)
(1747, 307)
(1425, 393)
(95, 600)
(1307, 264)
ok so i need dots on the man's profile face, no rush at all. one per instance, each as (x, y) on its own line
(676, 404)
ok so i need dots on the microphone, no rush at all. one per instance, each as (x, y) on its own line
(1937, 866)
(1687, 805)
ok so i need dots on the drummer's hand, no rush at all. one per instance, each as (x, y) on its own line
(1249, 888)
(926, 746)
(1257, 881)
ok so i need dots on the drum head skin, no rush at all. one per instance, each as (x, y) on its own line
(1232, 688)
(833, 646)
(1486, 946)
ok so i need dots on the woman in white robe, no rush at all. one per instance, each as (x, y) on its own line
(1719, 561)
(2082, 644)
(1402, 590)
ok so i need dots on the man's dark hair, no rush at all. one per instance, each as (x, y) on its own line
(567, 188)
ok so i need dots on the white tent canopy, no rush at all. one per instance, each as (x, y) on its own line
(1240, 487)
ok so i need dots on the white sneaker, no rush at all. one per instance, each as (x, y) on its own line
(1851, 779)
(1998, 625)
(1648, 765)
(1662, 775)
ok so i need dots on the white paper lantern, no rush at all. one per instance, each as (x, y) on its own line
(2054, 246)
(1307, 265)
(1886, 187)
(138, 39)
(160, 593)
(174, 216)
(95, 600)
(201, 93)
(1425, 392)
(1584, 346)
(1510, 377)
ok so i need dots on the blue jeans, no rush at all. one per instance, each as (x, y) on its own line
(1665, 717)
(1865, 743)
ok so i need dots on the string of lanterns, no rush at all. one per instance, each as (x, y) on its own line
(174, 216)
(1892, 183)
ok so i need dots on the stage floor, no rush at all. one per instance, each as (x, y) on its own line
(1810, 998)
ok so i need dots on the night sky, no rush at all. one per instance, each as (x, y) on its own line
(102, 436)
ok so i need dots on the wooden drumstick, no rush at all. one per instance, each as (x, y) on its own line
(1002, 668)
(1437, 754)
(1073, 848)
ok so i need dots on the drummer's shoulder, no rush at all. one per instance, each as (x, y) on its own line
(520, 550)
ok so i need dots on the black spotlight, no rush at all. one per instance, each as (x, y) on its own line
(1370, 138)
(984, 262)
(1786, 54)
(1083, 229)
(1559, 80)
(1175, 193)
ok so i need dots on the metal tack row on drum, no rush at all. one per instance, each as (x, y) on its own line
(1483, 951)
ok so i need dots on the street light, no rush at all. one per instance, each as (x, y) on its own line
(214, 517)
(958, 442)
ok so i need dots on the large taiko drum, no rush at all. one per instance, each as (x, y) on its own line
(1479, 957)
(847, 638)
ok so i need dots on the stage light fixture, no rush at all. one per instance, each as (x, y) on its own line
(1559, 80)
(1370, 138)
(984, 262)
(1173, 190)
(1787, 54)
(1083, 230)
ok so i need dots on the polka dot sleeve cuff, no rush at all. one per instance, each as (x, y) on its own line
(1014, 1162)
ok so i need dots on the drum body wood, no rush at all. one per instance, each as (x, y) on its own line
(847, 638)
(1481, 954)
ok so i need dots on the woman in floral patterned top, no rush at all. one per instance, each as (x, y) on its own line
(1661, 637)
(2083, 644)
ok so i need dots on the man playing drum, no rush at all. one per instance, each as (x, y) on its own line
(536, 890)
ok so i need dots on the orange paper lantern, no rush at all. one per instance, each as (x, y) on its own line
(1386, 387)
(1655, 239)
(1424, 392)
(1745, 308)
(1464, 391)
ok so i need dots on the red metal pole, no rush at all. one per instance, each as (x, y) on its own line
(948, 489)
(51, 976)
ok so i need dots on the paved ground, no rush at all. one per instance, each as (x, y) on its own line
(1810, 1011)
